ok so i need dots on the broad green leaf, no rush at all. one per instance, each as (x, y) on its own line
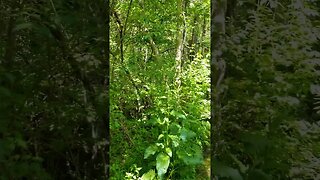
(191, 155)
(163, 161)
(177, 114)
(150, 175)
(169, 152)
(151, 150)
(186, 134)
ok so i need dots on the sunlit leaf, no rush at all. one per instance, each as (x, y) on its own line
(163, 161)
(151, 150)
(150, 175)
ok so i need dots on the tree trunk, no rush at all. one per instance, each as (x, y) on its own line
(192, 50)
(181, 37)
(218, 9)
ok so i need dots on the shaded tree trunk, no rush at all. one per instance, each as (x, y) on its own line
(218, 9)
(193, 48)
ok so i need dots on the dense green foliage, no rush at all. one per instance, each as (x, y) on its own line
(54, 89)
(159, 106)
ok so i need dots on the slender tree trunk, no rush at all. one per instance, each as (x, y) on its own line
(192, 50)
(218, 9)
(181, 38)
(122, 29)
(203, 33)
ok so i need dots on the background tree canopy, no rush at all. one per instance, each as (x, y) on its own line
(262, 89)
